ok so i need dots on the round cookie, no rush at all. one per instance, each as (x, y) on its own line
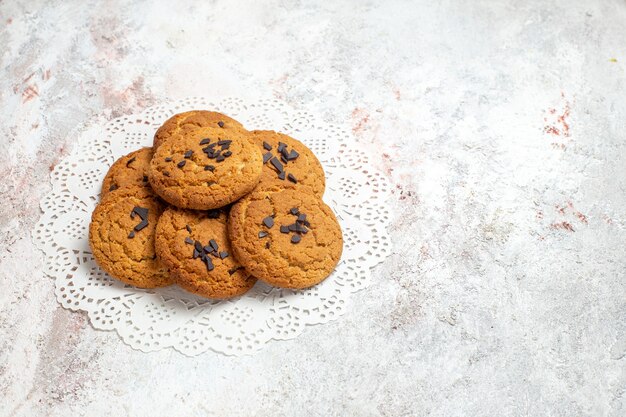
(183, 123)
(297, 164)
(194, 245)
(129, 170)
(285, 237)
(205, 169)
(121, 236)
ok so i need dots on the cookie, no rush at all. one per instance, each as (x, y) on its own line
(129, 170)
(183, 123)
(205, 169)
(285, 237)
(194, 245)
(121, 236)
(288, 161)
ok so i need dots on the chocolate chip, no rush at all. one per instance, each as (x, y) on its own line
(276, 163)
(284, 229)
(293, 227)
(267, 245)
(223, 255)
(166, 174)
(213, 243)
(220, 158)
(196, 253)
(220, 123)
(131, 160)
(142, 212)
(168, 159)
(145, 178)
(208, 249)
(188, 154)
(209, 264)
(227, 153)
(181, 164)
(209, 168)
(267, 157)
(205, 141)
(284, 152)
(189, 240)
(292, 155)
(224, 142)
(291, 178)
(141, 225)
(267, 146)
(227, 146)
(301, 217)
(282, 158)
(268, 221)
(113, 187)
(295, 238)
(263, 234)
(131, 235)
(188, 228)
(210, 183)
(294, 211)
(281, 146)
(281, 176)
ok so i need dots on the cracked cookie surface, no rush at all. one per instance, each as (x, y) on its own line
(201, 268)
(302, 169)
(121, 237)
(285, 237)
(183, 123)
(205, 169)
(129, 170)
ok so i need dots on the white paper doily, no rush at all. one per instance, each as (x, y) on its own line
(150, 320)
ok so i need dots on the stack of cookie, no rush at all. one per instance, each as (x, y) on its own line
(212, 207)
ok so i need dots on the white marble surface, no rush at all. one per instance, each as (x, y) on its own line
(501, 125)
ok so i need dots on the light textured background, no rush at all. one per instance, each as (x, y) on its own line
(501, 126)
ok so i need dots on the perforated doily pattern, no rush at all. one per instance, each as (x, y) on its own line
(150, 320)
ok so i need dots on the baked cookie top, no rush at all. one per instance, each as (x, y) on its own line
(285, 237)
(206, 168)
(183, 123)
(194, 245)
(121, 236)
(288, 161)
(129, 170)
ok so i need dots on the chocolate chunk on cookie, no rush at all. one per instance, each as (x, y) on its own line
(298, 248)
(121, 236)
(181, 178)
(288, 162)
(195, 246)
(129, 170)
(183, 123)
